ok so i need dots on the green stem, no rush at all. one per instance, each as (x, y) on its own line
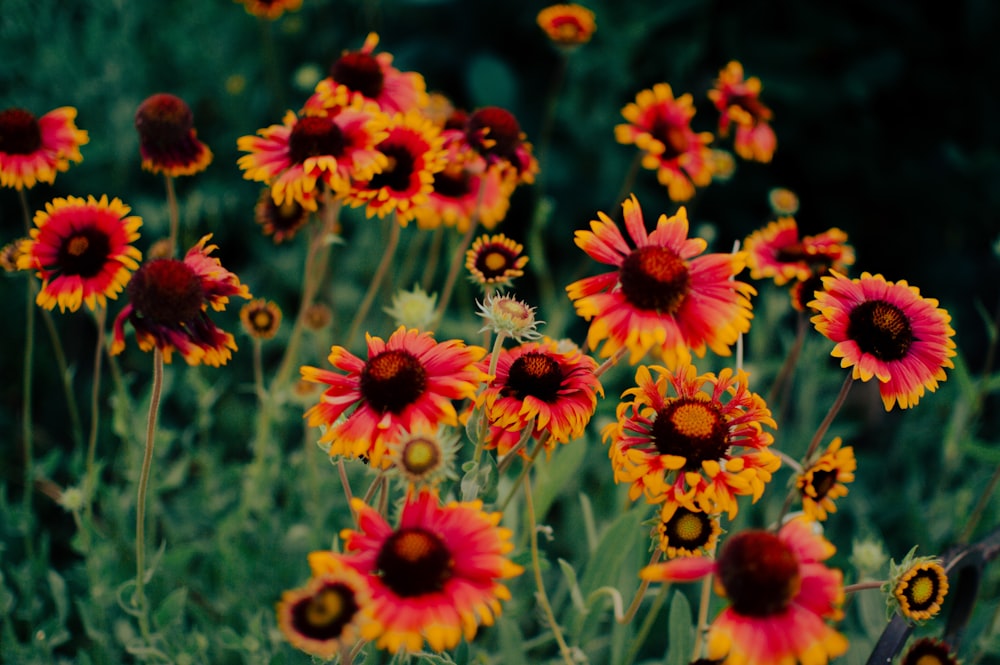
(457, 261)
(539, 445)
(647, 625)
(395, 230)
(90, 484)
(173, 214)
(701, 628)
(485, 424)
(981, 504)
(65, 377)
(27, 432)
(140, 509)
(862, 586)
(536, 567)
(317, 256)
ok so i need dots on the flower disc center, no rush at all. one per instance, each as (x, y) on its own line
(420, 455)
(324, 615)
(823, 481)
(359, 72)
(166, 291)
(673, 137)
(19, 132)
(655, 278)
(163, 120)
(759, 572)
(414, 562)
(493, 130)
(314, 136)
(84, 253)
(399, 171)
(693, 429)
(880, 329)
(536, 374)
(393, 380)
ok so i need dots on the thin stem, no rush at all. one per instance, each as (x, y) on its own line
(788, 366)
(828, 420)
(543, 598)
(258, 371)
(484, 427)
(457, 261)
(395, 230)
(173, 213)
(640, 592)
(140, 507)
(787, 460)
(647, 625)
(64, 374)
(90, 484)
(345, 483)
(701, 628)
(981, 504)
(862, 586)
(611, 362)
(512, 454)
(539, 445)
(312, 276)
(433, 256)
(27, 430)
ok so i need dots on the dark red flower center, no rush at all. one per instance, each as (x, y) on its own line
(804, 292)
(928, 651)
(693, 429)
(163, 120)
(655, 278)
(880, 329)
(393, 380)
(823, 481)
(798, 252)
(314, 136)
(414, 562)
(494, 261)
(19, 132)
(166, 291)
(84, 253)
(359, 72)
(494, 131)
(398, 174)
(453, 184)
(324, 615)
(536, 374)
(759, 573)
(688, 529)
(674, 138)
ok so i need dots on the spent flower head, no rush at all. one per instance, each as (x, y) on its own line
(506, 315)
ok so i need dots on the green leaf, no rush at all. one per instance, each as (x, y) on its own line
(574, 587)
(58, 586)
(680, 630)
(171, 609)
(556, 474)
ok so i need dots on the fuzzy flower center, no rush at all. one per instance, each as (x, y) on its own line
(693, 429)
(393, 380)
(324, 615)
(536, 374)
(314, 136)
(494, 131)
(453, 183)
(359, 72)
(420, 456)
(688, 529)
(84, 253)
(880, 329)
(398, 174)
(655, 278)
(414, 562)
(759, 573)
(166, 291)
(19, 132)
(163, 120)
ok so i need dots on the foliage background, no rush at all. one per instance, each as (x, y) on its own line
(886, 121)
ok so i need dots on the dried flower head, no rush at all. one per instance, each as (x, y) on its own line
(508, 316)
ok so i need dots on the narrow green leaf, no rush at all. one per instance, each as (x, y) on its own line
(58, 586)
(171, 609)
(680, 630)
(574, 587)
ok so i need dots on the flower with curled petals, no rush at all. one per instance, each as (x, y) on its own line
(738, 102)
(168, 303)
(82, 251)
(694, 440)
(434, 578)
(540, 385)
(777, 251)
(168, 141)
(780, 595)
(887, 331)
(665, 294)
(407, 381)
(33, 150)
(328, 148)
(364, 75)
(660, 126)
